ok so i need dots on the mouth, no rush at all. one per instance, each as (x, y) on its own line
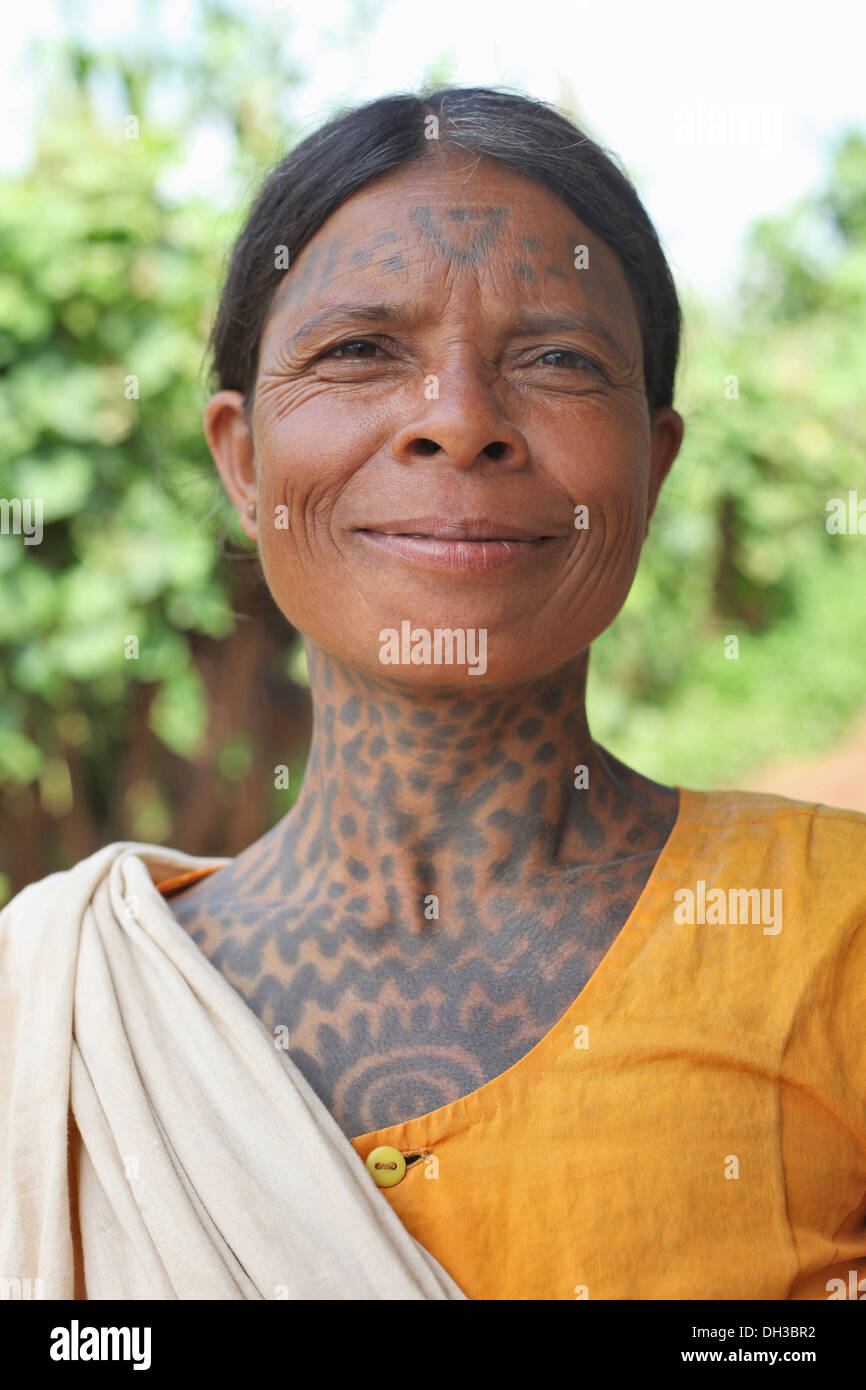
(472, 544)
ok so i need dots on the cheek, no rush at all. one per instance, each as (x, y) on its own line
(606, 480)
(305, 460)
(599, 457)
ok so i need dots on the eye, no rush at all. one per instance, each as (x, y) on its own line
(347, 346)
(575, 359)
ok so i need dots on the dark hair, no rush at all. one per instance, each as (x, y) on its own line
(360, 145)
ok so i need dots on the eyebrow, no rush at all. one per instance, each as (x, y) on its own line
(563, 323)
(406, 316)
(353, 313)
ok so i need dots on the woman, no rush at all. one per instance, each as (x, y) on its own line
(487, 1014)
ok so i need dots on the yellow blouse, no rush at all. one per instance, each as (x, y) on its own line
(694, 1126)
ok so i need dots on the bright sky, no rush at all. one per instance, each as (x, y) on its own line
(720, 113)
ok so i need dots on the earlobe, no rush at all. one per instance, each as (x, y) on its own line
(232, 448)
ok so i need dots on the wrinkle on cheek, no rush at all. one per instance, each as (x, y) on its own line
(604, 566)
(282, 397)
(304, 545)
(569, 597)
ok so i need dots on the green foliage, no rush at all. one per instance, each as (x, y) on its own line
(103, 312)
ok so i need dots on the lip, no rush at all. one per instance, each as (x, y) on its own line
(472, 528)
(474, 544)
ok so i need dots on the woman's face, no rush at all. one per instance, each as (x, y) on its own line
(443, 364)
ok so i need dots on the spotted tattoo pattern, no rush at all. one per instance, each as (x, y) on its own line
(323, 925)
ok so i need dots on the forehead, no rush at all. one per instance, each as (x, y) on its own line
(475, 219)
(456, 185)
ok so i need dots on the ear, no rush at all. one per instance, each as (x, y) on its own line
(667, 427)
(230, 441)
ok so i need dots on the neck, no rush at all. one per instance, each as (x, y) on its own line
(434, 793)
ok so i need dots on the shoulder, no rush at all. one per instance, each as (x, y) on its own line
(54, 906)
(814, 854)
(796, 870)
(760, 817)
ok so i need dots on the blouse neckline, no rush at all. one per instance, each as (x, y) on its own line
(422, 1130)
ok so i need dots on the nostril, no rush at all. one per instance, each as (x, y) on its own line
(496, 450)
(426, 446)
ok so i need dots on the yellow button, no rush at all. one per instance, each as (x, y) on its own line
(387, 1166)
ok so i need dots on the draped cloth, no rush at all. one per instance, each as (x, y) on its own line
(155, 1143)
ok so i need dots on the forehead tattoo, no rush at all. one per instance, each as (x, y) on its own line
(462, 235)
(470, 235)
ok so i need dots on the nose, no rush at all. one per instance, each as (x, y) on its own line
(462, 425)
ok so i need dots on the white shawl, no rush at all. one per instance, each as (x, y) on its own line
(154, 1142)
